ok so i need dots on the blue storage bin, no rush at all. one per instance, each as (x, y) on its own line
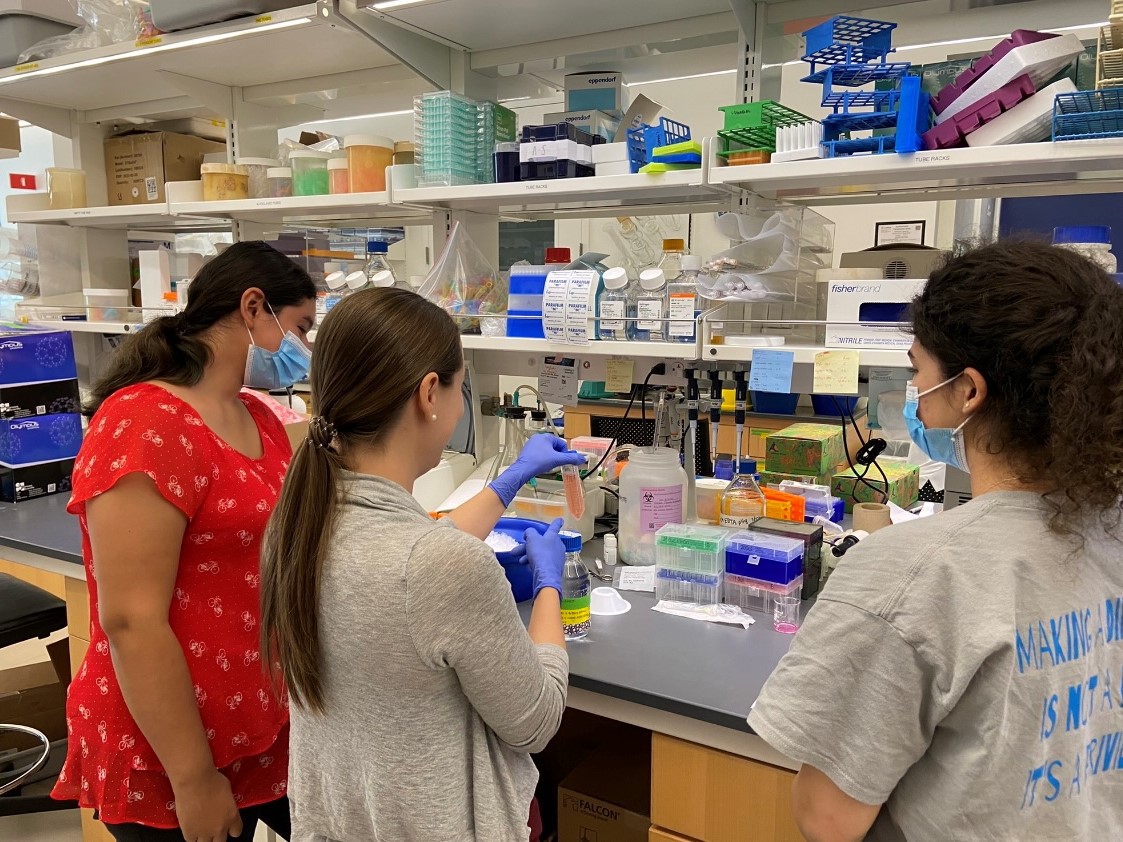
(43, 438)
(763, 556)
(825, 404)
(518, 572)
(775, 403)
(527, 325)
(35, 356)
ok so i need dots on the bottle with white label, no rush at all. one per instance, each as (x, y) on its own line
(617, 307)
(683, 302)
(651, 306)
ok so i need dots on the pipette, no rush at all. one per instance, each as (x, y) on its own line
(740, 397)
(715, 411)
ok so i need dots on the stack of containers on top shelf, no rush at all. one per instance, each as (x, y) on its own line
(1084, 115)
(760, 132)
(851, 53)
(455, 137)
(1109, 50)
(690, 562)
(1005, 96)
(559, 150)
(526, 286)
(760, 566)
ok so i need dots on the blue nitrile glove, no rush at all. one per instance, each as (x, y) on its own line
(542, 453)
(546, 556)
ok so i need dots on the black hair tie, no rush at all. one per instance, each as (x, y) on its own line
(321, 432)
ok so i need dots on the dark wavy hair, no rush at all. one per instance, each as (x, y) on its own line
(174, 349)
(1044, 326)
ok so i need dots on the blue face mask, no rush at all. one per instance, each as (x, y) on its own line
(939, 444)
(278, 369)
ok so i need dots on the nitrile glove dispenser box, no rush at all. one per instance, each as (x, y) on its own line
(884, 300)
(43, 438)
(29, 356)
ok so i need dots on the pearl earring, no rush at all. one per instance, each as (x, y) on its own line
(433, 416)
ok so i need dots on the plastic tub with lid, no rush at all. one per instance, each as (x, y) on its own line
(173, 15)
(1090, 241)
(24, 23)
(338, 178)
(258, 169)
(652, 494)
(279, 181)
(309, 172)
(368, 156)
(225, 182)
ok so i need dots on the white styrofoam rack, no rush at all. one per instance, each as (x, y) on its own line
(1041, 61)
(800, 142)
(1029, 121)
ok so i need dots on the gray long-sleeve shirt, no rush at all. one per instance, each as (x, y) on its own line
(435, 694)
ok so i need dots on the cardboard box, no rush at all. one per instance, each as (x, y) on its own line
(26, 482)
(805, 449)
(35, 696)
(10, 136)
(869, 301)
(597, 91)
(600, 123)
(47, 398)
(138, 163)
(607, 798)
(904, 483)
(41, 438)
(35, 356)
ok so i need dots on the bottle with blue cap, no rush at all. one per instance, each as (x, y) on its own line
(575, 589)
(1091, 241)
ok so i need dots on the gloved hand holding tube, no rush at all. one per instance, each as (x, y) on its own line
(542, 453)
(546, 556)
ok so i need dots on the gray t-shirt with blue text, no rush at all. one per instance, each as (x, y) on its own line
(966, 671)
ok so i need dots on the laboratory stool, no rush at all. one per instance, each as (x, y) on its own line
(26, 613)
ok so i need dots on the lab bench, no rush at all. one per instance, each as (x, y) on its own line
(690, 683)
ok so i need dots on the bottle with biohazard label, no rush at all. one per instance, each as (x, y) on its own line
(575, 589)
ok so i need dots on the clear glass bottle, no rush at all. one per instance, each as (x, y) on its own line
(683, 301)
(377, 268)
(651, 306)
(617, 307)
(671, 262)
(575, 590)
(743, 502)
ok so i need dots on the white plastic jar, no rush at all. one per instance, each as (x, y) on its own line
(258, 169)
(652, 494)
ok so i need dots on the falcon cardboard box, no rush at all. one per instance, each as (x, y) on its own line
(138, 163)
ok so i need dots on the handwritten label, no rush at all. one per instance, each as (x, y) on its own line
(26, 68)
(149, 42)
(836, 373)
(263, 19)
(771, 371)
(558, 381)
(619, 373)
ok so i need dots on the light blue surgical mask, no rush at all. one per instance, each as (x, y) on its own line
(940, 444)
(278, 369)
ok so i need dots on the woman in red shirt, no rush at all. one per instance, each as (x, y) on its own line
(175, 732)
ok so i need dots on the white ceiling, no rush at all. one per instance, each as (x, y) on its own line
(493, 24)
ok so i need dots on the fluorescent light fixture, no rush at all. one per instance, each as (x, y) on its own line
(394, 4)
(680, 78)
(365, 116)
(159, 48)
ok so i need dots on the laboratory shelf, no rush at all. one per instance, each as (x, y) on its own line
(876, 357)
(685, 191)
(1026, 169)
(127, 217)
(272, 54)
(595, 348)
(350, 208)
(86, 327)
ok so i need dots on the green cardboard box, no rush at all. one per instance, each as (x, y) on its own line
(904, 484)
(777, 477)
(805, 449)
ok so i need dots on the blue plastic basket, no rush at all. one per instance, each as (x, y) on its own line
(1085, 115)
(644, 140)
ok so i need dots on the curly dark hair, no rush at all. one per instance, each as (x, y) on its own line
(1044, 326)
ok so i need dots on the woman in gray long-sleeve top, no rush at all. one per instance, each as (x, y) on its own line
(417, 693)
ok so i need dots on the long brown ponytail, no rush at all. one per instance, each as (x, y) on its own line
(372, 352)
(174, 349)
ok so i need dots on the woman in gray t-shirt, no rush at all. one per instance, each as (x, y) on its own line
(417, 693)
(961, 677)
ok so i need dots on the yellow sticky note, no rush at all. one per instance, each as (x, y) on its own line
(619, 374)
(836, 373)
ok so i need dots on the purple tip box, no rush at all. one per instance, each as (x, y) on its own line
(954, 131)
(1018, 38)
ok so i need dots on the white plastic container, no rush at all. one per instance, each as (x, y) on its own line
(258, 169)
(104, 305)
(652, 494)
(1030, 121)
